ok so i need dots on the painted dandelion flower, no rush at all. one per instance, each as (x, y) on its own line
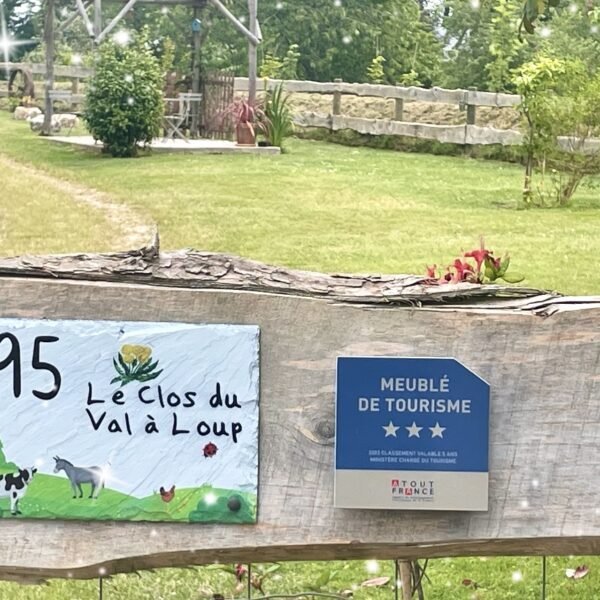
(134, 363)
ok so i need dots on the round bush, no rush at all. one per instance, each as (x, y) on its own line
(124, 103)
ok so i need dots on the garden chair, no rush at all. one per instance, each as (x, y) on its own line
(173, 123)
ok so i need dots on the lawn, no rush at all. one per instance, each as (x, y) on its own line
(450, 579)
(325, 207)
(35, 218)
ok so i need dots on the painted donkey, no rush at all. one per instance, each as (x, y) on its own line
(79, 475)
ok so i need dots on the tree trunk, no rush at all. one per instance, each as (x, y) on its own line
(567, 190)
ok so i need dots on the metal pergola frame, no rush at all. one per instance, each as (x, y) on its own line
(98, 31)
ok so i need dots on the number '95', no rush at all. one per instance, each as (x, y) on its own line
(14, 355)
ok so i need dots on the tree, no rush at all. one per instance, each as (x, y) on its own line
(124, 100)
(534, 10)
(560, 100)
(482, 48)
(334, 38)
(573, 32)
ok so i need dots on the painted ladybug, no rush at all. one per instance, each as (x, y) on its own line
(209, 450)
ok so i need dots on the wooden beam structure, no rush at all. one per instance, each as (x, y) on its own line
(118, 18)
(49, 48)
(98, 33)
(84, 15)
(539, 351)
(97, 20)
(71, 18)
(252, 51)
(249, 34)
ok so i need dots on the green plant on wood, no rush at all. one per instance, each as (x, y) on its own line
(483, 267)
(278, 122)
(560, 107)
(124, 100)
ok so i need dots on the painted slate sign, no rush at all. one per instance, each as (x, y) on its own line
(128, 421)
(411, 434)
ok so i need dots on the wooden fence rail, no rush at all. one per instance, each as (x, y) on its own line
(449, 134)
(66, 71)
(463, 97)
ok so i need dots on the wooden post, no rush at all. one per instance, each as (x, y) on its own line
(252, 51)
(337, 100)
(74, 91)
(49, 77)
(97, 19)
(471, 110)
(196, 45)
(399, 109)
(406, 579)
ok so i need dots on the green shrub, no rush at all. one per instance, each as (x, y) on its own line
(124, 102)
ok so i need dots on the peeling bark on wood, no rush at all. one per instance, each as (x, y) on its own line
(544, 376)
(196, 269)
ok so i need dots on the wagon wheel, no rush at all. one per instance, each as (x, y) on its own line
(20, 84)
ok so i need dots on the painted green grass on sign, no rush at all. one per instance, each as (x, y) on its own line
(333, 208)
(50, 497)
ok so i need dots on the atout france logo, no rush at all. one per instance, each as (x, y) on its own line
(413, 490)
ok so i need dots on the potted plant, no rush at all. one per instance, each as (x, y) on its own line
(248, 118)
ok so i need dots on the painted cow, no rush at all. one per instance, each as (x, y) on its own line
(14, 486)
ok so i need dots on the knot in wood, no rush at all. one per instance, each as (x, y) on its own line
(325, 431)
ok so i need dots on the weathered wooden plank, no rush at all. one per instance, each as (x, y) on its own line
(451, 134)
(434, 94)
(357, 89)
(476, 135)
(543, 373)
(219, 271)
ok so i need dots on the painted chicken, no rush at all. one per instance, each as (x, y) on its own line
(167, 496)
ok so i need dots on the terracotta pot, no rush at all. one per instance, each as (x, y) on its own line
(245, 134)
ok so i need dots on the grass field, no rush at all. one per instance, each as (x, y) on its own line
(322, 207)
(494, 579)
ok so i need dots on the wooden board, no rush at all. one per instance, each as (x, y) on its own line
(434, 94)
(449, 134)
(59, 70)
(544, 372)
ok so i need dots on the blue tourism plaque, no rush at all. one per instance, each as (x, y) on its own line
(411, 433)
